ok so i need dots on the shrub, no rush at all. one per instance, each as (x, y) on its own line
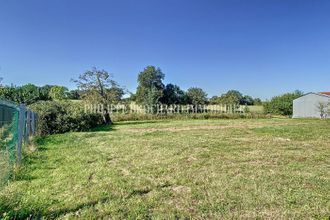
(63, 116)
(281, 105)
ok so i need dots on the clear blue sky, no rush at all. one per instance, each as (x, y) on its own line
(262, 48)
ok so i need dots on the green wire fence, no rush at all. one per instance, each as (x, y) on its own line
(17, 124)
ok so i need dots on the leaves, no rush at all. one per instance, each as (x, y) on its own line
(97, 86)
(196, 96)
(150, 88)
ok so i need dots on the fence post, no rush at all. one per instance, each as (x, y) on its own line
(33, 124)
(27, 126)
(21, 123)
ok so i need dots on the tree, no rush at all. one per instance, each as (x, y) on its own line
(323, 109)
(58, 93)
(257, 101)
(73, 94)
(150, 86)
(172, 94)
(232, 97)
(283, 104)
(27, 94)
(97, 86)
(9, 93)
(247, 100)
(44, 92)
(115, 94)
(214, 100)
(196, 96)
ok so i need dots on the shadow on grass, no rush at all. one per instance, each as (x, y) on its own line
(35, 160)
(105, 128)
(41, 213)
(137, 122)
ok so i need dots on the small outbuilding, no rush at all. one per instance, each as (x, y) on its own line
(312, 105)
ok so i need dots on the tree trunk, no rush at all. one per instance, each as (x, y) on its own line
(106, 118)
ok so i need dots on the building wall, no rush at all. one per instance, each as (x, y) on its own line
(306, 106)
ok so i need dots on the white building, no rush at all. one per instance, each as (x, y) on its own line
(308, 105)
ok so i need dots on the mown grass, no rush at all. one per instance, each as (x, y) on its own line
(200, 169)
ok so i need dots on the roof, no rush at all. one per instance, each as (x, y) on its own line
(319, 94)
(325, 93)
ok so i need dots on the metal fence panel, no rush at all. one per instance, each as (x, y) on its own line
(15, 128)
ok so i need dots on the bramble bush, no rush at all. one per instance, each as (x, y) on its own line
(56, 117)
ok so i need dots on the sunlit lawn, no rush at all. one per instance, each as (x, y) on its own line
(204, 169)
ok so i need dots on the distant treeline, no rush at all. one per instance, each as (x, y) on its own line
(29, 93)
(98, 86)
(150, 91)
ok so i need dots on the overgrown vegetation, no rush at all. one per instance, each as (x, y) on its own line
(55, 117)
(209, 169)
(282, 105)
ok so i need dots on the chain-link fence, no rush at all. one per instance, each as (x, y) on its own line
(17, 124)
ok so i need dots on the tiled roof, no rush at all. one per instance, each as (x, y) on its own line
(325, 93)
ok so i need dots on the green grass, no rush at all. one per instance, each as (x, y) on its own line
(204, 169)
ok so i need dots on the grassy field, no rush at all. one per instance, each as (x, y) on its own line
(256, 108)
(201, 169)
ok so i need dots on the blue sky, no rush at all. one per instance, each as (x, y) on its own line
(262, 48)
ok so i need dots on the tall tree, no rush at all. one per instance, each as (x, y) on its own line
(97, 86)
(232, 97)
(197, 96)
(247, 100)
(150, 86)
(173, 95)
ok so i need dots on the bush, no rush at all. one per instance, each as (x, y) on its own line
(63, 116)
(281, 105)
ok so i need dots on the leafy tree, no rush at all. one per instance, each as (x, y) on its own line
(28, 94)
(257, 101)
(214, 100)
(73, 94)
(247, 100)
(58, 93)
(115, 94)
(9, 93)
(44, 92)
(232, 97)
(172, 94)
(150, 86)
(97, 86)
(282, 105)
(197, 96)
